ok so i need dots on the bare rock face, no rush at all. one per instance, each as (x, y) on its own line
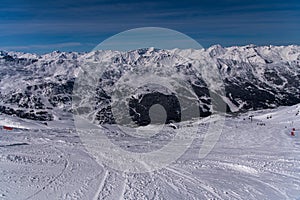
(139, 109)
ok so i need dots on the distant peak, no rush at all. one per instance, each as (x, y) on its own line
(143, 51)
(216, 50)
(216, 46)
(3, 53)
(151, 49)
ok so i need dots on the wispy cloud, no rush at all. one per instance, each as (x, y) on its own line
(41, 46)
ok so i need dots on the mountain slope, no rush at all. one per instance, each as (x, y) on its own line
(40, 87)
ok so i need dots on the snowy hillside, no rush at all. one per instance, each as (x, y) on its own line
(39, 87)
(255, 159)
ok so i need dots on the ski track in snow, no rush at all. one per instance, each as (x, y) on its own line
(248, 162)
(101, 186)
(51, 181)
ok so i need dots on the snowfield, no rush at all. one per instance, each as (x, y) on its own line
(253, 159)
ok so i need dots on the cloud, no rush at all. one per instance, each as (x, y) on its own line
(42, 46)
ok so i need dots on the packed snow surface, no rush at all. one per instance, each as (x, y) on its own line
(253, 159)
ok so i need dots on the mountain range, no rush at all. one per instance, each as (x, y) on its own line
(39, 87)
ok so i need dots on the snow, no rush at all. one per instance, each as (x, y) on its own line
(250, 161)
(256, 159)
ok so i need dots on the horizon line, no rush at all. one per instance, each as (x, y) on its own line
(5, 50)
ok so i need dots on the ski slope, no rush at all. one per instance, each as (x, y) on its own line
(255, 159)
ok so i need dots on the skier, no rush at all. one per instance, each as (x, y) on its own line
(292, 133)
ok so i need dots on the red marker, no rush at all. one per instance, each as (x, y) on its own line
(7, 128)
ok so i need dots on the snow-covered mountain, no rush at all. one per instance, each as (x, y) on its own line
(40, 87)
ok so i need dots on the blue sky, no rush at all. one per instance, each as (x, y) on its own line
(75, 25)
(146, 37)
